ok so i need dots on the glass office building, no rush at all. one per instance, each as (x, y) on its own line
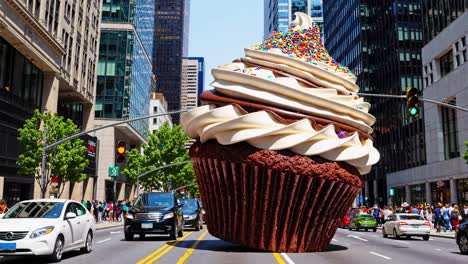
(168, 51)
(381, 41)
(439, 14)
(278, 14)
(124, 67)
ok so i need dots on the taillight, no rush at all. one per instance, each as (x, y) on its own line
(427, 223)
(360, 219)
(403, 223)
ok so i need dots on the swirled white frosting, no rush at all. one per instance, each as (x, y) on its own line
(230, 124)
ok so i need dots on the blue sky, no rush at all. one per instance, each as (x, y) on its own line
(221, 29)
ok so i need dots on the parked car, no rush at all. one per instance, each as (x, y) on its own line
(346, 219)
(155, 213)
(462, 238)
(193, 214)
(46, 227)
(363, 221)
(407, 225)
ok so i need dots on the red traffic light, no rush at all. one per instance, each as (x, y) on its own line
(121, 148)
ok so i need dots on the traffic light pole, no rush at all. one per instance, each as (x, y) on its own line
(112, 124)
(421, 99)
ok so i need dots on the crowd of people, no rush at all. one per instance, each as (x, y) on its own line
(107, 211)
(442, 217)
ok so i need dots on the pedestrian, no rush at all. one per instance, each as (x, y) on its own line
(446, 215)
(454, 217)
(438, 217)
(100, 211)
(3, 206)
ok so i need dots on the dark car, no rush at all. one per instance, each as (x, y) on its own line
(462, 238)
(192, 213)
(155, 213)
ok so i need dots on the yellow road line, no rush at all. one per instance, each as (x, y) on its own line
(164, 252)
(192, 248)
(278, 258)
(161, 249)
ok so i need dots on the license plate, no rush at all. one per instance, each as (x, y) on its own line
(8, 246)
(147, 225)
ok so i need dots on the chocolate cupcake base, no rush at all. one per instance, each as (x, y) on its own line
(272, 200)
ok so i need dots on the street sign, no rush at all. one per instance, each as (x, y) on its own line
(114, 171)
(392, 192)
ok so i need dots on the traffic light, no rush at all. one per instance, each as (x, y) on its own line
(120, 151)
(412, 101)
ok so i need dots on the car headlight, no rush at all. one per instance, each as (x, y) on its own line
(42, 231)
(191, 217)
(129, 216)
(169, 215)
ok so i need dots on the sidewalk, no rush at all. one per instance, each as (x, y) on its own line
(106, 225)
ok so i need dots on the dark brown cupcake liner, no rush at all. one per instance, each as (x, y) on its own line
(270, 210)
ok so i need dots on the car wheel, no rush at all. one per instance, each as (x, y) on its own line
(58, 250)
(196, 226)
(180, 233)
(395, 234)
(383, 233)
(463, 243)
(129, 236)
(426, 237)
(88, 246)
(374, 229)
(349, 227)
(173, 235)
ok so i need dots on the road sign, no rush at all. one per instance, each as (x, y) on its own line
(392, 192)
(114, 171)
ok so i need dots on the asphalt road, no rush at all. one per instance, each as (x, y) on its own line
(200, 247)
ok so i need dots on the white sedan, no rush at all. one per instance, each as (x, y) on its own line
(407, 225)
(46, 227)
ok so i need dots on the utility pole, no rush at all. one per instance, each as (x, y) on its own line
(43, 164)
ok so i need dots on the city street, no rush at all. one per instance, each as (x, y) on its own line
(347, 247)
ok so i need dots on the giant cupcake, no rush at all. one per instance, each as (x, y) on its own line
(282, 143)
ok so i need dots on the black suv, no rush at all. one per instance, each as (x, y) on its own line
(155, 213)
(192, 213)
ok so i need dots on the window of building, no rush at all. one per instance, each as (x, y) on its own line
(450, 131)
(446, 63)
(155, 121)
(155, 110)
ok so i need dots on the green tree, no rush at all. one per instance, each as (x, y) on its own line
(465, 155)
(164, 147)
(66, 161)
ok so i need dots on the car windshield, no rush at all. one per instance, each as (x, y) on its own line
(410, 217)
(156, 200)
(35, 210)
(190, 204)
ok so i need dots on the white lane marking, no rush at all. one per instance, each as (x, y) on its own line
(334, 240)
(404, 242)
(379, 255)
(438, 249)
(115, 232)
(360, 238)
(102, 241)
(286, 257)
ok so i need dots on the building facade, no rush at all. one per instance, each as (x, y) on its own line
(123, 87)
(278, 14)
(168, 51)
(48, 57)
(193, 72)
(444, 177)
(381, 42)
(158, 104)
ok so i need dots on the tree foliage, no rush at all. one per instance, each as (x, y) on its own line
(164, 147)
(465, 155)
(67, 161)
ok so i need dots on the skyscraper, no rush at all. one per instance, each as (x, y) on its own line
(124, 84)
(193, 71)
(382, 45)
(278, 14)
(48, 57)
(168, 50)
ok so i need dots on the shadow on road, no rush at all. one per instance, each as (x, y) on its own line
(36, 259)
(224, 246)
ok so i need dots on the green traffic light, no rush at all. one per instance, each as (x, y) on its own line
(413, 111)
